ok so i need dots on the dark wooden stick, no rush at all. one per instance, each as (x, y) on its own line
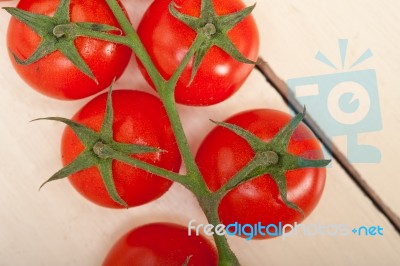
(280, 86)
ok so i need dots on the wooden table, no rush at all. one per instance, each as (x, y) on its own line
(57, 227)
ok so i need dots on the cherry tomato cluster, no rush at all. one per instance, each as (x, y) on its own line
(140, 118)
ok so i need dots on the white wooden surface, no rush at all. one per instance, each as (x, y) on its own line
(57, 227)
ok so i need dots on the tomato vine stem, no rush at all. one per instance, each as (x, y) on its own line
(193, 179)
(166, 90)
(135, 42)
(226, 257)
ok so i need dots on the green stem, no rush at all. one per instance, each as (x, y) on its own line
(167, 95)
(226, 257)
(193, 180)
(168, 99)
(260, 159)
(150, 168)
(135, 43)
(124, 40)
(189, 55)
(239, 177)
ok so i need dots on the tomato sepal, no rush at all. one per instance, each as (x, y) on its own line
(82, 162)
(215, 30)
(271, 158)
(57, 33)
(186, 262)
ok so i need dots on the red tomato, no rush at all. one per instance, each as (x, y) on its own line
(167, 40)
(139, 118)
(54, 75)
(223, 153)
(161, 244)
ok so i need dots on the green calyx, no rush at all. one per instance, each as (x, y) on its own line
(57, 34)
(214, 29)
(272, 157)
(100, 150)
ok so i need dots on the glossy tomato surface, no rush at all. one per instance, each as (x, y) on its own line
(56, 76)
(223, 153)
(167, 40)
(139, 118)
(161, 244)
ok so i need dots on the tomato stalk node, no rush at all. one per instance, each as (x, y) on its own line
(102, 150)
(209, 30)
(269, 157)
(64, 30)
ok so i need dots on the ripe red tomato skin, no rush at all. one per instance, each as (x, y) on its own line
(139, 118)
(222, 154)
(54, 75)
(161, 244)
(167, 40)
